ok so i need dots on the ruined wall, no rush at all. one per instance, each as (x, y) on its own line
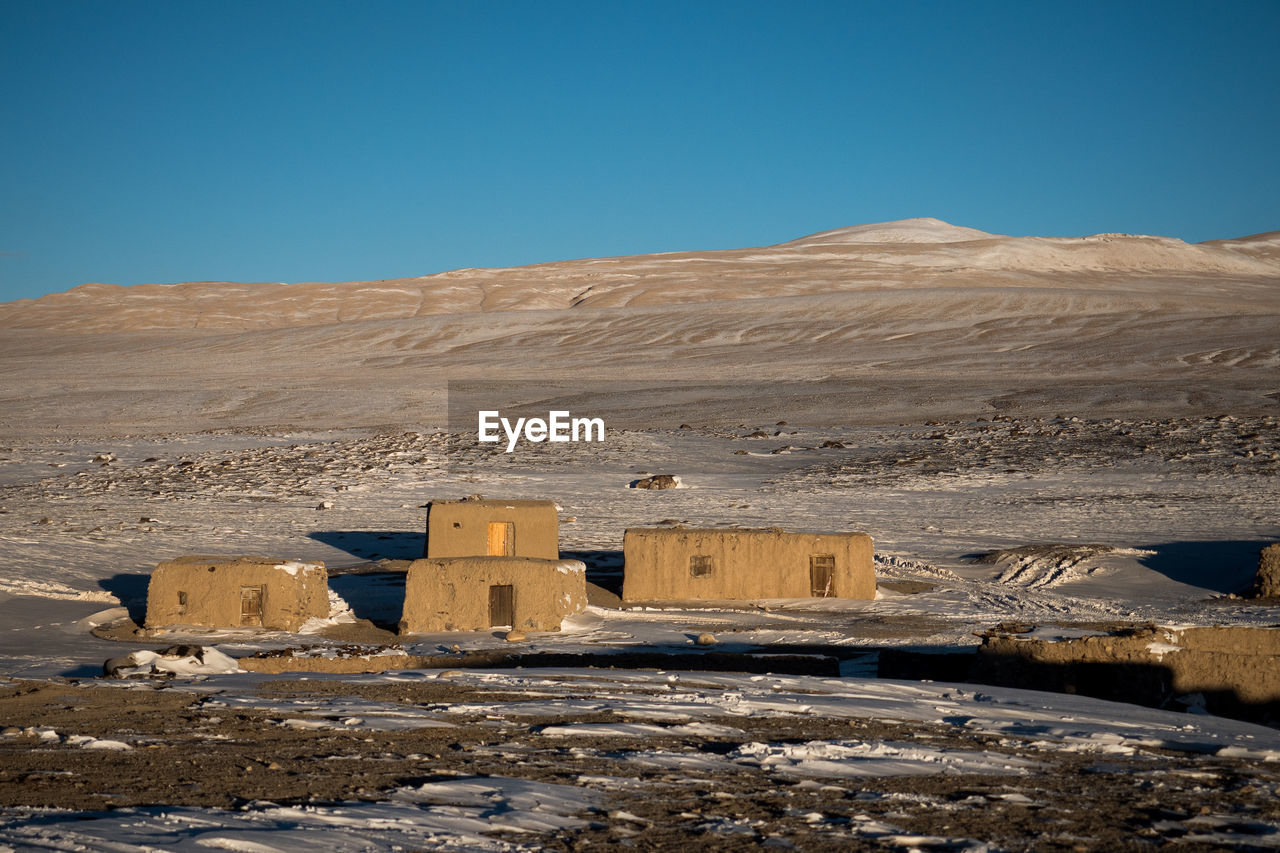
(453, 593)
(207, 591)
(461, 528)
(1269, 572)
(1229, 667)
(743, 565)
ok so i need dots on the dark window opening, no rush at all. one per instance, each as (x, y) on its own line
(699, 566)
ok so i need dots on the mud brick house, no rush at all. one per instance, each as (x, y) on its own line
(235, 592)
(475, 593)
(679, 564)
(474, 527)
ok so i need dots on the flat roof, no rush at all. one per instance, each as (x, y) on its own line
(735, 530)
(491, 502)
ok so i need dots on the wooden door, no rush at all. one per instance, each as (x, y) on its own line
(822, 571)
(502, 539)
(251, 604)
(502, 606)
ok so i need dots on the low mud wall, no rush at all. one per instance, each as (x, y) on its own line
(788, 664)
(1232, 672)
(1228, 671)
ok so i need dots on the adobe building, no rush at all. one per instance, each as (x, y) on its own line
(237, 592)
(475, 527)
(679, 564)
(477, 593)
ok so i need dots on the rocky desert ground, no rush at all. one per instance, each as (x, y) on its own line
(953, 393)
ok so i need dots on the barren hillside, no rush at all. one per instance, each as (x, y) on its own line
(900, 315)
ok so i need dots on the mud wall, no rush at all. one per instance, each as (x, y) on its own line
(454, 593)
(1233, 671)
(208, 591)
(461, 528)
(674, 564)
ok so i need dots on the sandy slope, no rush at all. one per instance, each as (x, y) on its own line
(894, 255)
(907, 315)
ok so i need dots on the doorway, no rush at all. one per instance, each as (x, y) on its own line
(251, 605)
(822, 572)
(502, 606)
(502, 539)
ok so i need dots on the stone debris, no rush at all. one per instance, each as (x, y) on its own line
(657, 481)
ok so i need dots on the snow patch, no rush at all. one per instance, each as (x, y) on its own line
(456, 815)
(339, 613)
(856, 758)
(1159, 650)
(52, 589)
(208, 661)
(294, 566)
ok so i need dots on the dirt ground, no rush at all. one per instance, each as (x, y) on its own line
(188, 754)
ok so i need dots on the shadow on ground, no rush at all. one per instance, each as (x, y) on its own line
(376, 596)
(1228, 566)
(374, 544)
(604, 568)
(131, 589)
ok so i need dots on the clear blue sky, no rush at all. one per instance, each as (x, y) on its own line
(300, 141)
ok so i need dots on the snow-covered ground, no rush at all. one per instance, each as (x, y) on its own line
(691, 731)
(1180, 506)
(1181, 517)
(950, 392)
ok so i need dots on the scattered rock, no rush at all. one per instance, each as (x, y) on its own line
(325, 505)
(835, 445)
(1056, 551)
(170, 661)
(706, 639)
(516, 637)
(657, 481)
